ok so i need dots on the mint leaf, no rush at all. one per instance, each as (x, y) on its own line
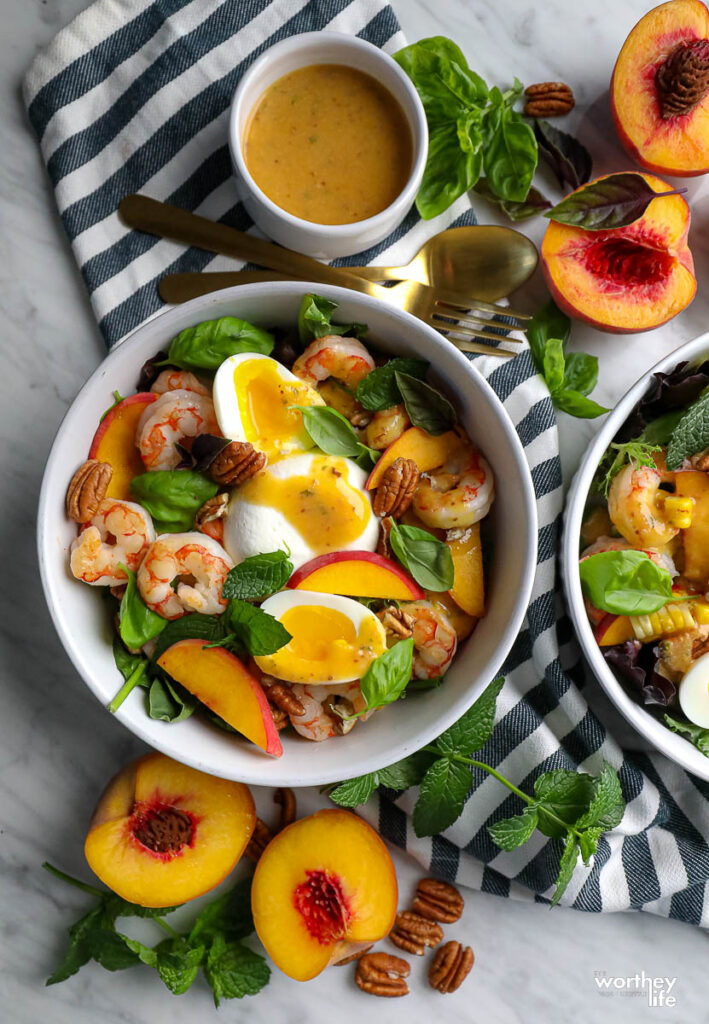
(234, 970)
(512, 832)
(110, 950)
(607, 806)
(79, 952)
(406, 773)
(353, 792)
(562, 794)
(566, 867)
(178, 963)
(444, 789)
(258, 576)
(146, 954)
(694, 733)
(229, 914)
(588, 841)
(474, 728)
(260, 632)
(379, 391)
(691, 435)
(386, 677)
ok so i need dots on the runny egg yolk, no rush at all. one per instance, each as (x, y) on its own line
(325, 509)
(324, 647)
(265, 399)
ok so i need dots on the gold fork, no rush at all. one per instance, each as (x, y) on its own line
(444, 310)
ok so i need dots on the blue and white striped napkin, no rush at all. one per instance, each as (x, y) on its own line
(133, 96)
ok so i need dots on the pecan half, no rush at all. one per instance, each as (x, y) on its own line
(260, 839)
(382, 974)
(395, 620)
(282, 696)
(548, 99)
(450, 967)
(286, 798)
(212, 510)
(87, 489)
(383, 547)
(438, 901)
(699, 647)
(396, 488)
(413, 933)
(682, 79)
(236, 463)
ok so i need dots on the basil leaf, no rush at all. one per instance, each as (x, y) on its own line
(427, 559)
(330, 431)
(446, 85)
(379, 391)
(691, 435)
(260, 632)
(625, 582)
(314, 320)
(548, 322)
(427, 408)
(576, 404)
(167, 703)
(387, 676)
(568, 158)
(554, 364)
(258, 576)
(534, 203)
(205, 346)
(172, 497)
(694, 733)
(449, 172)
(189, 627)
(509, 153)
(581, 372)
(611, 202)
(136, 622)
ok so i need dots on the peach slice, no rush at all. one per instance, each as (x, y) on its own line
(325, 887)
(355, 574)
(426, 451)
(626, 279)
(663, 124)
(163, 833)
(222, 683)
(468, 590)
(114, 443)
(695, 539)
(613, 629)
(462, 624)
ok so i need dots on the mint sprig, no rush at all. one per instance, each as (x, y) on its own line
(691, 434)
(573, 807)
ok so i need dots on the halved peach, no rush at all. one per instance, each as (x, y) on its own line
(323, 888)
(613, 629)
(468, 590)
(425, 450)
(163, 833)
(626, 279)
(222, 683)
(661, 120)
(114, 443)
(356, 574)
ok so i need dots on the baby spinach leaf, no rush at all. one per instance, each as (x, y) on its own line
(330, 431)
(427, 559)
(133, 668)
(189, 627)
(136, 622)
(379, 391)
(172, 497)
(388, 675)
(694, 733)
(691, 435)
(314, 320)
(568, 158)
(625, 582)
(611, 202)
(427, 408)
(258, 576)
(169, 702)
(205, 346)
(260, 632)
(535, 203)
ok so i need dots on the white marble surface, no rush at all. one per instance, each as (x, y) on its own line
(59, 746)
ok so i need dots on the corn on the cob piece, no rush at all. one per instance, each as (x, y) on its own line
(701, 612)
(677, 509)
(673, 618)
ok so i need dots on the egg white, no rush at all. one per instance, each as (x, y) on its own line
(694, 692)
(251, 529)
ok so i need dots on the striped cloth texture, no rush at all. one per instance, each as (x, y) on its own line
(134, 96)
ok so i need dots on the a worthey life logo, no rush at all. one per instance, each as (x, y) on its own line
(658, 990)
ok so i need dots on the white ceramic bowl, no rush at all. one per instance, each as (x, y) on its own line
(80, 617)
(668, 742)
(325, 241)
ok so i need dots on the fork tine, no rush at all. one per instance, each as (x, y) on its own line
(467, 327)
(486, 350)
(470, 319)
(444, 298)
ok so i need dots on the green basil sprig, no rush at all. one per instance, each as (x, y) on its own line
(334, 434)
(379, 391)
(625, 582)
(137, 624)
(427, 559)
(258, 576)
(426, 407)
(314, 320)
(388, 675)
(205, 346)
(691, 433)
(172, 497)
(611, 202)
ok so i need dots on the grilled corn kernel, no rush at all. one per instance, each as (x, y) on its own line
(701, 612)
(673, 618)
(677, 510)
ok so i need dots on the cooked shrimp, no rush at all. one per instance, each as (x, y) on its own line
(634, 509)
(386, 426)
(184, 572)
(120, 532)
(170, 418)
(344, 402)
(660, 558)
(179, 380)
(345, 359)
(435, 640)
(459, 493)
(318, 721)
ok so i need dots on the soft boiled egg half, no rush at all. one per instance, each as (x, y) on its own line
(254, 397)
(694, 692)
(333, 639)
(310, 503)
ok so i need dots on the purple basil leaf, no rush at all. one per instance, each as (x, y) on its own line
(534, 204)
(668, 392)
(635, 663)
(568, 158)
(150, 371)
(205, 449)
(609, 203)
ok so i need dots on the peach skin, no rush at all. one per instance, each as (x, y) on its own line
(356, 574)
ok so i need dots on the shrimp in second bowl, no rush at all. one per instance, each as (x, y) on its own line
(345, 359)
(170, 418)
(118, 534)
(184, 572)
(635, 507)
(179, 380)
(435, 640)
(459, 493)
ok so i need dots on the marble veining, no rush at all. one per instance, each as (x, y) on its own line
(59, 746)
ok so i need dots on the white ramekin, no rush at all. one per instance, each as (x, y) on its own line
(651, 728)
(325, 241)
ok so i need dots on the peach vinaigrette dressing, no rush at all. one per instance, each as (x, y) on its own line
(329, 144)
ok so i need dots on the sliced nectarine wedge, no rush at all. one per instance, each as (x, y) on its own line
(222, 683)
(356, 574)
(695, 539)
(427, 452)
(612, 630)
(114, 443)
(163, 833)
(323, 888)
(468, 590)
